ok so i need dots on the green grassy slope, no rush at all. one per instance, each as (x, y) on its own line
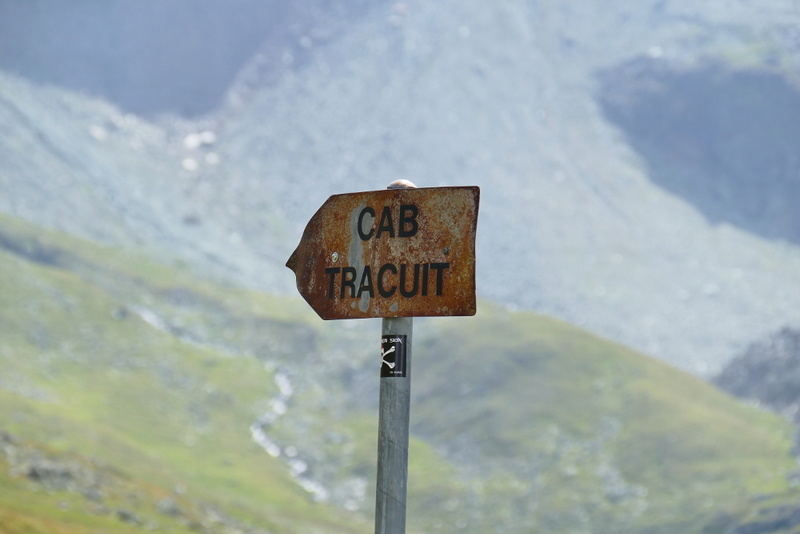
(128, 389)
(90, 367)
(552, 412)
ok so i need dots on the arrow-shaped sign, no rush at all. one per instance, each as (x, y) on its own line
(390, 253)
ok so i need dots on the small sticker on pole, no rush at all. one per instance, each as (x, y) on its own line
(393, 356)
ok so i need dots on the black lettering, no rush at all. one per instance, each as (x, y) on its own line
(408, 216)
(415, 287)
(366, 283)
(348, 280)
(386, 223)
(386, 293)
(331, 272)
(439, 268)
(425, 269)
(361, 234)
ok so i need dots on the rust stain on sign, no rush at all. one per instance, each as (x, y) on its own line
(390, 253)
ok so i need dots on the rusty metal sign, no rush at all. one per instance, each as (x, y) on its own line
(390, 253)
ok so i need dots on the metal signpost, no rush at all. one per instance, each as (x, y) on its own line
(398, 253)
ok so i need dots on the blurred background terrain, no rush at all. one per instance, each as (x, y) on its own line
(639, 174)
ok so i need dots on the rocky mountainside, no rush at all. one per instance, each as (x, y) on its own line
(600, 205)
(767, 372)
(176, 57)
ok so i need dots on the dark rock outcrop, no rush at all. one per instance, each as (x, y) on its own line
(768, 372)
(723, 138)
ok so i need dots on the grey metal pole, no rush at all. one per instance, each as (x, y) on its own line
(393, 422)
(393, 416)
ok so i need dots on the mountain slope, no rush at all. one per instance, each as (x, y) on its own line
(509, 96)
(584, 216)
(560, 412)
(244, 410)
(91, 368)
